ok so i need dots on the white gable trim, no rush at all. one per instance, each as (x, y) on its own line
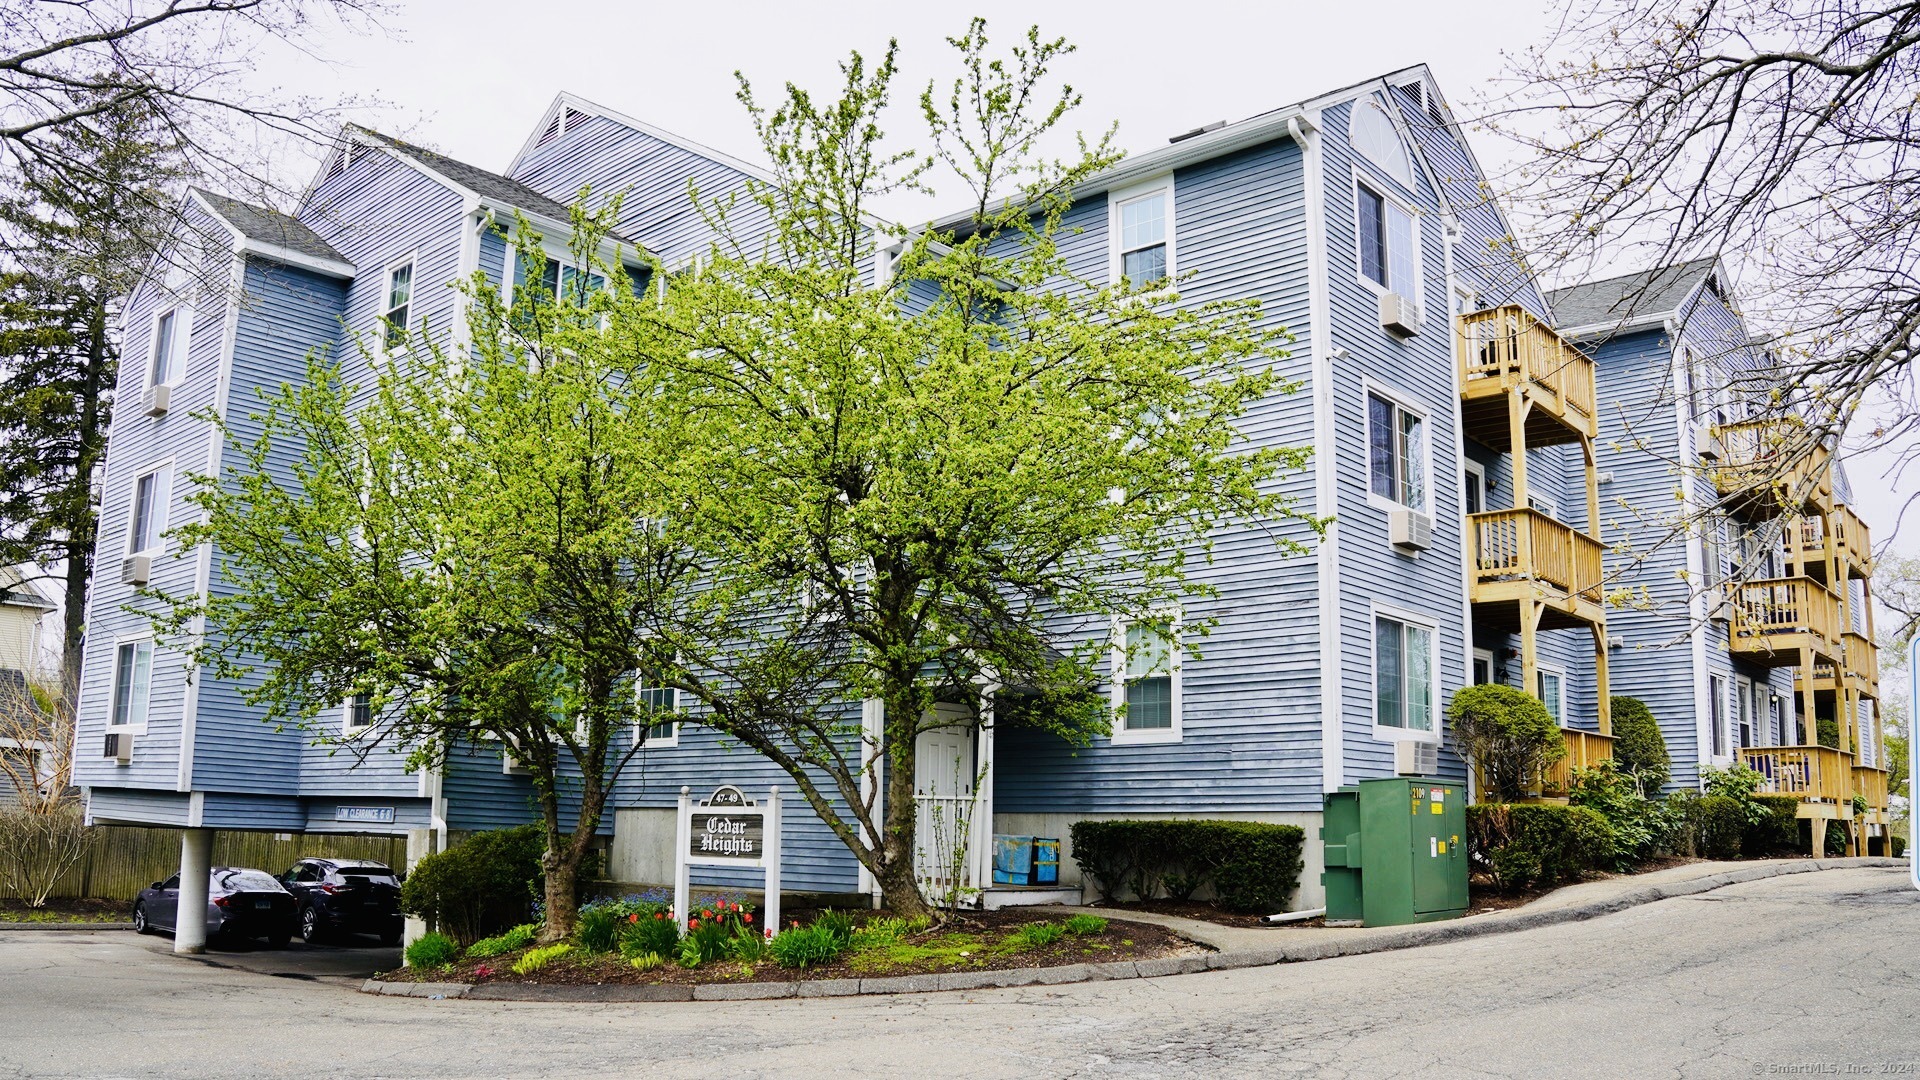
(564, 100)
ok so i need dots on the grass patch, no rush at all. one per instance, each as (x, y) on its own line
(947, 950)
(1033, 936)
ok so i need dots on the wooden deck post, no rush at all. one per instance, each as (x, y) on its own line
(1530, 612)
(1593, 488)
(1517, 407)
(1603, 700)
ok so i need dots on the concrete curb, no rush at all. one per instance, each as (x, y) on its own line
(5, 926)
(1225, 959)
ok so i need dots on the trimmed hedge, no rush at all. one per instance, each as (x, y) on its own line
(1638, 745)
(483, 885)
(1252, 865)
(1718, 824)
(1778, 833)
(1525, 844)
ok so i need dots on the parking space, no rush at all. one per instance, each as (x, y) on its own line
(352, 959)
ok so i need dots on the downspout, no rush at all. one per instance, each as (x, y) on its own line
(1326, 489)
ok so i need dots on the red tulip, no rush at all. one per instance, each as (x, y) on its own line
(635, 917)
(748, 917)
(659, 914)
(693, 924)
(706, 914)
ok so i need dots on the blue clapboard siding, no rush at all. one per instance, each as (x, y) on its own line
(121, 805)
(202, 252)
(1430, 583)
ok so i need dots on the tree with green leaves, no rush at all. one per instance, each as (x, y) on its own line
(941, 467)
(473, 541)
(76, 241)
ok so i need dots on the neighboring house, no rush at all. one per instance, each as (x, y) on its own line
(1455, 436)
(1755, 676)
(23, 655)
(23, 623)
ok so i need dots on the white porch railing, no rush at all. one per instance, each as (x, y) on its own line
(952, 839)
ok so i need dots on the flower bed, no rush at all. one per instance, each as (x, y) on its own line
(67, 910)
(637, 941)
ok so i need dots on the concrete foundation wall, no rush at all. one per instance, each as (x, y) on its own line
(1312, 893)
(642, 845)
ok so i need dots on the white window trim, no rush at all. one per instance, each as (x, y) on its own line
(1371, 387)
(113, 680)
(1120, 734)
(1487, 655)
(381, 310)
(1418, 293)
(347, 729)
(1468, 467)
(1410, 617)
(1558, 671)
(1120, 196)
(1387, 112)
(640, 726)
(1724, 734)
(182, 341)
(163, 505)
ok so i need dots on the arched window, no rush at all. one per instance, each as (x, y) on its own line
(1372, 133)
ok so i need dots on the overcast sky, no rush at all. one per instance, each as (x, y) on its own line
(471, 77)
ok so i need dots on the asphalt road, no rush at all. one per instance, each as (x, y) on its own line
(1809, 974)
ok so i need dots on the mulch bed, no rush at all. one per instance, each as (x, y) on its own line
(66, 909)
(1198, 910)
(1119, 941)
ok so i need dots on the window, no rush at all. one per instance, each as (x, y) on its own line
(657, 701)
(1403, 690)
(1147, 682)
(132, 683)
(1482, 667)
(1550, 687)
(1544, 504)
(394, 321)
(1385, 234)
(1397, 452)
(169, 350)
(1140, 225)
(1371, 130)
(1476, 487)
(1717, 714)
(359, 713)
(151, 493)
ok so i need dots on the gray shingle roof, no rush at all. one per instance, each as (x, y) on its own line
(269, 226)
(489, 185)
(1629, 297)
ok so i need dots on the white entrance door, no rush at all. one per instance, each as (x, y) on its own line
(947, 823)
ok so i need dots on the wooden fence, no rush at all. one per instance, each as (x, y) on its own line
(123, 859)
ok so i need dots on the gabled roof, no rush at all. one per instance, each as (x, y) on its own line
(267, 226)
(566, 106)
(1630, 300)
(17, 591)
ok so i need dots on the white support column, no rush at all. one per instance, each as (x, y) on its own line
(682, 838)
(770, 851)
(419, 846)
(190, 918)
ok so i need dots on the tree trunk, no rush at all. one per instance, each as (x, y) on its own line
(894, 872)
(562, 905)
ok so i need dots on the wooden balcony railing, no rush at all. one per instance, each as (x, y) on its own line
(1585, 749)
(1766, 463)
(1507, 350)
(1526, 545)
(1863, 663)
(1871, 783)
(1851, 539)
(1784, 620)
(1809, 773)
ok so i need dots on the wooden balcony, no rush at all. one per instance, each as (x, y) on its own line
(1524, 555)
(1819, 776)
(1783, 622)
(1585, 749)
(1856, 667)
(1766, 467)
(1506, 352)
(1852, 542)
(1871, 784)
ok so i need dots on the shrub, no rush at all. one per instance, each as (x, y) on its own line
(432, 950)
(482, 885)
(1717, 823)
(1836, 839)
(1537, 843)
(597, 929)
(806, 946)
(1507, 734)
(1638, 745)
(1641, 826)
(1037, 935)
(535, 959)
(1898, 844)
(1252, 866)
(1085, 925)
(517, 938)
(644, 934)
(1776, 834)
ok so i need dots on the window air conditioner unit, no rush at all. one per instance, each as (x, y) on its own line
(1399, 314)
(1411, 758)
(136, 569)
(155, 401)
(1410, 529)
(1707, 444)
(118, 747)
(1720, 606)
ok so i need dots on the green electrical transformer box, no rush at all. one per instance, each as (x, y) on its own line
(1395, 852)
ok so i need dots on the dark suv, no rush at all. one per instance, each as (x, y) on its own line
(345, 896)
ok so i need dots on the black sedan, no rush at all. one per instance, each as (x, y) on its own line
(346, 896)
(241, 904)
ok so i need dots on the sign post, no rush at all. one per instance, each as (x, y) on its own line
(1913, 758)
(727, 829)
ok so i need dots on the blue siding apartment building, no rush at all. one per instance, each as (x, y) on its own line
(1492, 481)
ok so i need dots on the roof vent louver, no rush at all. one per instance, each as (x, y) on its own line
(553, 130)
(1185, 135)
